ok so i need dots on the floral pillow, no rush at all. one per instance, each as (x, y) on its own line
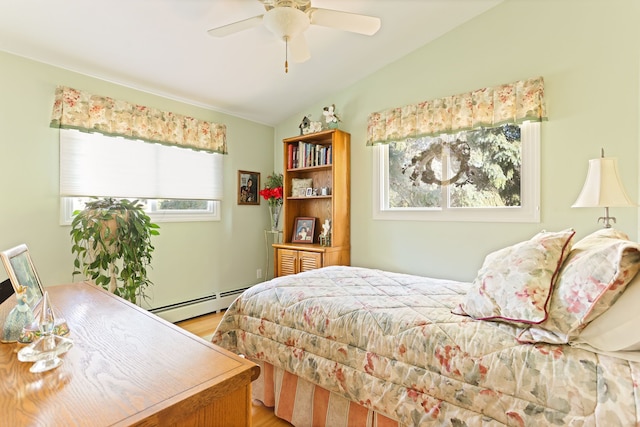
(515, 283)
(592, 278)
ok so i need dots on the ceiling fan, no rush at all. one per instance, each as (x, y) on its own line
(288, 19)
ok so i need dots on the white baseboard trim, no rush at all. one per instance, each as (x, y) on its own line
(194, 308)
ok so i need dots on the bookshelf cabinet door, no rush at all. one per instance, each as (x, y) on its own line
(290, 261)
(309, 261)
(286, 262)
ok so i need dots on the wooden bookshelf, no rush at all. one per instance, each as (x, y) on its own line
(325, 158)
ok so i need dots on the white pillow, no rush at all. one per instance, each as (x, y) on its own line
(618, 328)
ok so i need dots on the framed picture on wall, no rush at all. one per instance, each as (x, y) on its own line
(303, 228)
(248, 187)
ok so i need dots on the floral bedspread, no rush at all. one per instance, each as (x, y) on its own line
(390, 342)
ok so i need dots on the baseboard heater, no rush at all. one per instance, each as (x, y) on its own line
(197, 307)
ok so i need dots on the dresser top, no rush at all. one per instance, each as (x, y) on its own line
(126, 366)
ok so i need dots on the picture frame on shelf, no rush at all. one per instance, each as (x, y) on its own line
(299, 186)
(248, 187)
(303, 229)
(309, 192)
(22, 273)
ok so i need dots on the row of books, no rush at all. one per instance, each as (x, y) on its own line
(306, 155)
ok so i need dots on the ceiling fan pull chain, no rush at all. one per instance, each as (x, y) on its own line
(286, 54)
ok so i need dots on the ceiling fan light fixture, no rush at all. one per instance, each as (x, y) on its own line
(303, 5)
(286, 22)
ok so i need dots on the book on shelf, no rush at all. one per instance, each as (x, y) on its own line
(306, 155)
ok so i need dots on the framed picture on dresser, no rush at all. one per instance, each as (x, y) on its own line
(303, 228)
(22, 273)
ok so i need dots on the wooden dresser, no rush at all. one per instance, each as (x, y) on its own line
(127, 367)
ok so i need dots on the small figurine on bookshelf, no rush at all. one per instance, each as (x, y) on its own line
(308, 126)
(325, 236)
(315, 127)
(330, 116)
(304, 125)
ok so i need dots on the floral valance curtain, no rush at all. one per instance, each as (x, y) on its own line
(509, 103)
(76, 109)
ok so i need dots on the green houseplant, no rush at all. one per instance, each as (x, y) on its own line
(111, 239)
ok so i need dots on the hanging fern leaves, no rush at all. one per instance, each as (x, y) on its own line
(111, 239)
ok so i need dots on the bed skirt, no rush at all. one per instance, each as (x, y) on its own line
(304, 404)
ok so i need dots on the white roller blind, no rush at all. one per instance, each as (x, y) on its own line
(97, 165)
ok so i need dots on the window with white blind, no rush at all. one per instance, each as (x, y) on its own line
(176, 184)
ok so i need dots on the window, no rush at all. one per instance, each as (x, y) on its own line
(177, 184)
(160, 210)
(478, 175)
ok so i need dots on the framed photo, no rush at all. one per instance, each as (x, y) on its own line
(248, 187)
(303, 228)
(309, 192)
(299, 186)
(22, 273)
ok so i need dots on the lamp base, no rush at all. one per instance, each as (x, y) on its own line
(606, 219)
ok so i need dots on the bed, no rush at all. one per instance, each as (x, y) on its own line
(526, 343)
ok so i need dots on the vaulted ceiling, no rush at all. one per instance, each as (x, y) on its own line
(162, 47)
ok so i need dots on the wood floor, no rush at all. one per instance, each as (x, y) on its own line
(204, 326)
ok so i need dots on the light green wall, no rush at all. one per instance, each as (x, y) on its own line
(586, 50)
(204, 257)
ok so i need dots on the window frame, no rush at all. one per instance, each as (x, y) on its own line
(529, 211)
(157, 216)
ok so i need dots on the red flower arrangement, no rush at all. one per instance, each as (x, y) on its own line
(272, 191)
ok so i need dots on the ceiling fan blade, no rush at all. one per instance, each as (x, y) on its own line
(235, 27)
(353, 22)
(299, 49)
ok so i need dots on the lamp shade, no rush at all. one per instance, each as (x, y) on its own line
(603, 187)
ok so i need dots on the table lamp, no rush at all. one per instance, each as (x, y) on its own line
(603, 188)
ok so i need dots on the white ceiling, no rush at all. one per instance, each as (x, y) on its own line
(162, 47)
